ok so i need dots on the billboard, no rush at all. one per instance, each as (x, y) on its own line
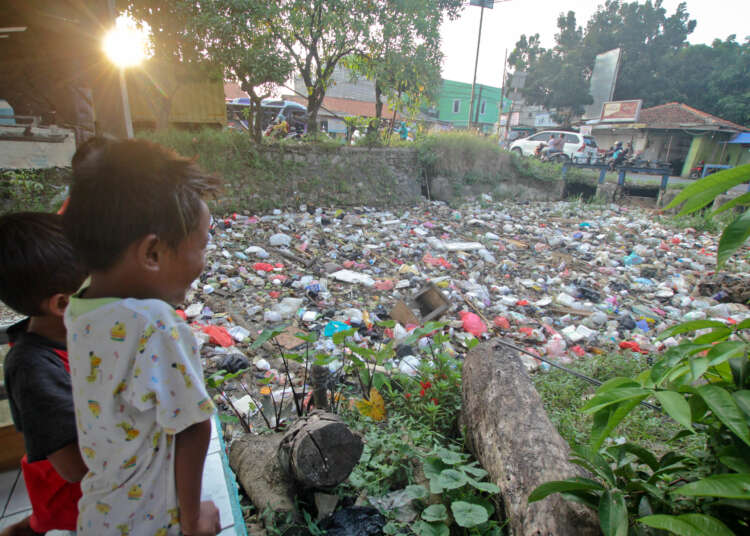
(603, 80)
(621, 111)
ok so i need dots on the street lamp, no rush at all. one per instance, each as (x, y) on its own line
(125, 45)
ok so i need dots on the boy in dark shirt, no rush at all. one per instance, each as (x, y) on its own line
(38, 273)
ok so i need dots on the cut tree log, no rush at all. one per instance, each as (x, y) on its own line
(319, 451)
(253, 459)
(509, 432)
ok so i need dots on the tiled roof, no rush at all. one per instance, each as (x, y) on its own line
(678, 115)
(345, 107)
(232, 90)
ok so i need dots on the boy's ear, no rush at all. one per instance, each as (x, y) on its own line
(56, 304)
(148, 251)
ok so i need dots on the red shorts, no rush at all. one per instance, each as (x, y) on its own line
(54, 501)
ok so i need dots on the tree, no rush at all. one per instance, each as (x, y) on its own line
(649, 40)
(317, 34)
(236, 36)
(402, 55)
(176, 57)
(715, 78)
(556, 78)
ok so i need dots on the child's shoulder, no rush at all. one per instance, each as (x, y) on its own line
(147, 311)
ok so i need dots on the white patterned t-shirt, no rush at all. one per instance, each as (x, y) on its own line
(137, 381)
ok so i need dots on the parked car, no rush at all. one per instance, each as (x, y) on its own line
(578, 148)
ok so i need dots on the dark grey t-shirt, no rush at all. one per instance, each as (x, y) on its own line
(39, 392)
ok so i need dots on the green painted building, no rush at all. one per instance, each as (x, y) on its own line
(716, 149)
(455, 100)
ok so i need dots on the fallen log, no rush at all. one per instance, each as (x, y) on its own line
(509, 432)
(317, 452)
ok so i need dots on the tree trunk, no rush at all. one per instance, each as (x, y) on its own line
(319, 451)
(256, 125)
(514, 440)
(253, 459)
(378, 103)
(314, 102)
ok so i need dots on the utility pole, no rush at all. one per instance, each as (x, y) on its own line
(476, 64)
(502, 96)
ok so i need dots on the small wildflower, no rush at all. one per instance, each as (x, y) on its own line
(408, 395)
(434, 401)
(421, 393)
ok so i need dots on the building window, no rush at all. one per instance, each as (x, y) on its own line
(456, 106)
(483, 107)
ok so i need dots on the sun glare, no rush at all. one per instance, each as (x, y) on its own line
(126, 44)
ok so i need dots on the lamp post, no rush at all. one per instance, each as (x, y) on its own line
(482, 4)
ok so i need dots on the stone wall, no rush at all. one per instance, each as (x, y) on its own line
(342, 176)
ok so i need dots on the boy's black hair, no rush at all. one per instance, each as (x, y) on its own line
(36, 261)
(123, 190)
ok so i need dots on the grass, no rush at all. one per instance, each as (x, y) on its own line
(564, 395)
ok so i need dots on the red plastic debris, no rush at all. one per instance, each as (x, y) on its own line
(577, 350)
(274, 294)
(181, 314)
(633, 346)
(525, 330)
(435, 261)
(262, 267)
(501, 322)
(218, 335)
(472, 323)
(521, 303)
(385, 284)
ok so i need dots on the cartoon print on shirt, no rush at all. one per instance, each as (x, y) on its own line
(95, 408)
(104, 508)
(145, 337)
(95, 362)
(185, 375)
(135, 492)
(118, 333)
(130, 432)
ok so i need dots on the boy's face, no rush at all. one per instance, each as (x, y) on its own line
(185, 263)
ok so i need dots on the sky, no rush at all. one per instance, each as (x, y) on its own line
(504, 24)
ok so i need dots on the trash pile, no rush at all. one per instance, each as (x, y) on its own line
(562, 280)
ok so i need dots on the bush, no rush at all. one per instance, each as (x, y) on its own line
(461, 155)
(33, 189)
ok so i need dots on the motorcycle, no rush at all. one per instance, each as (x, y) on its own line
(697, 171)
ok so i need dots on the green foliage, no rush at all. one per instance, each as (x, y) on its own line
(458, 482)
(238, 37)
(402, 54)
(657, 63)
(460, 155)
(33, 190)
(702, 385)
(556, 78)
(391, 451)
(534, 168)
(702, 192)
(317, 35)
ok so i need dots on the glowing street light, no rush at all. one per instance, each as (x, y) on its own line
(125, 45)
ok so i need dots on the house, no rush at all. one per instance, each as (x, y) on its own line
(454, 105)
(679, 134)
